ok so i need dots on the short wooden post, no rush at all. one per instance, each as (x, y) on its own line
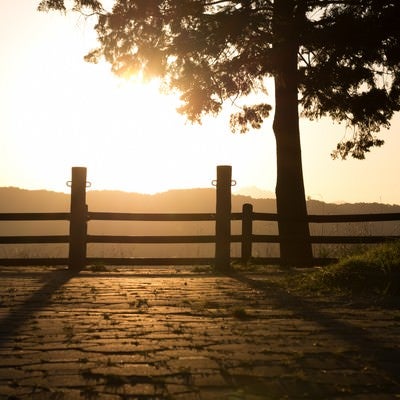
(78, 222)
(247, 232)
(223, 218)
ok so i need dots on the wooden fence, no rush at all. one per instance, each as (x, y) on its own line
(79, 216)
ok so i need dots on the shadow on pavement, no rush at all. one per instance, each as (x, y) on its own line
(380, 356)
(21, 313)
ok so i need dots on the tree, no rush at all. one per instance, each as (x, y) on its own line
(327, 58)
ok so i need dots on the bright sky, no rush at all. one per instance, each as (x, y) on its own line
(56, 111)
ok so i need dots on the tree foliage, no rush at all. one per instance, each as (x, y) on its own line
(213, 51)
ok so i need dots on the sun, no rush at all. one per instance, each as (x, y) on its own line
(134, 136)
(137, 140)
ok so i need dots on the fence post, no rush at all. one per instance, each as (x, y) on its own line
(223, 218)
(78, 222)
(247, 232)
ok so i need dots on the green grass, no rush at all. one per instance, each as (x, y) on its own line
(97, 268)
(375, 272)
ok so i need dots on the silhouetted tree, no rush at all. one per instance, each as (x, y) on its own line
(327, 58)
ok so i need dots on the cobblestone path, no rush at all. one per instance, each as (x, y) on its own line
(177, 334)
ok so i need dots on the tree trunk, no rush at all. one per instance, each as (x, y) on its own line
(295, 246)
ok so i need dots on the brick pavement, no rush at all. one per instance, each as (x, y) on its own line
(178, 334)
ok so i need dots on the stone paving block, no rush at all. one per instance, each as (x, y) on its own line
(7, 392)
(193, 362)
(368, 396)
(157, 334)
(11, 374)
(209, 379)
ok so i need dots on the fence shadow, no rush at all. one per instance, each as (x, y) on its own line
(376, 353)
(20, 315)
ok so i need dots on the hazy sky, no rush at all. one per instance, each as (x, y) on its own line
(56, 111)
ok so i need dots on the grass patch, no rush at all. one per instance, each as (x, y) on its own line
(97, 268)
(250, 268)
(202, 269)
(375, 272)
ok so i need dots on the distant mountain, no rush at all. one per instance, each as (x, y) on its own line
(21, 200)
(184, 200)
(255, 192)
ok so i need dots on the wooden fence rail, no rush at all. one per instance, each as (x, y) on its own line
(79, 216)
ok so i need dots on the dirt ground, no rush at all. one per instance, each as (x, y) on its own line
(186, 333)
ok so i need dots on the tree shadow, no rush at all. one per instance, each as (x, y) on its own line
(377, 354)
(20, 314)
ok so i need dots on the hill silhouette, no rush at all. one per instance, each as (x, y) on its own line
(173, 201)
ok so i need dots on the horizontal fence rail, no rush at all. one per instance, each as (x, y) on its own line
(333, 218)
(58, 216)
(331, 239)
(151, 261)
(79, 216)
(150, 239)
(112, 216)
(34, 239)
